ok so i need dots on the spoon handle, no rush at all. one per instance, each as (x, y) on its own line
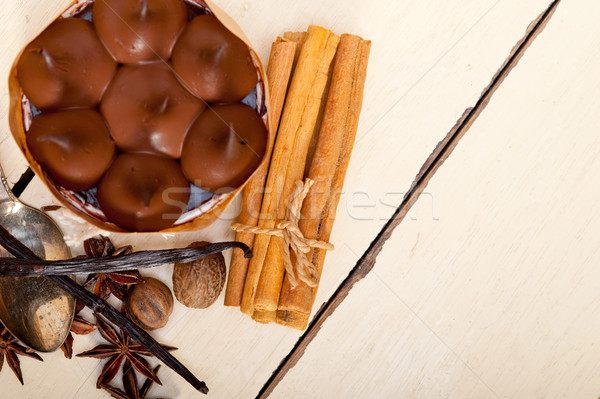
(5, 191)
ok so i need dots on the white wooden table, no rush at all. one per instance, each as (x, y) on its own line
(489, 287)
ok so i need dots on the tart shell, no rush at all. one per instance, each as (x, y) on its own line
(85, 205)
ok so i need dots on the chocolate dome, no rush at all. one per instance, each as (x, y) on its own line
(143, 192)
(223, 147)
(212, 62)
(74, 146)
(65, 66)
(139, 30)
(148, 110)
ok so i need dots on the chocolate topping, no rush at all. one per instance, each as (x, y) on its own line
(143, 192)
(223, 147)
(65, 66)
(148, 110)
(139, 30)
(124, 155)
(212, 62)
(74, 147)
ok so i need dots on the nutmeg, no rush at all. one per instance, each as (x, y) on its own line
(198, 284)
(149, 304)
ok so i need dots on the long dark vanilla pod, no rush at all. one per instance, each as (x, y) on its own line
(136, 260)
(18, 249)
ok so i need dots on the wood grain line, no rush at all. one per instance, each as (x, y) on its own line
(442, 151)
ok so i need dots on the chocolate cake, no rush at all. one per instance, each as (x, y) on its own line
(140, 114)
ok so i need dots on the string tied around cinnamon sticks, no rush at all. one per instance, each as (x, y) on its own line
(293, 238)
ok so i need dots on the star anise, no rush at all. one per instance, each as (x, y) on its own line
(80, 326)
(130, 383)
(107, 283)
(121, 348)
(9, 348)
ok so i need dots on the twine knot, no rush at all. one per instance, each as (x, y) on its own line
(293, 238)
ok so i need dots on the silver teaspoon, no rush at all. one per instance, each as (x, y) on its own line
(34, 309)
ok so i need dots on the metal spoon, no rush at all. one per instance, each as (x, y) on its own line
(34, 309)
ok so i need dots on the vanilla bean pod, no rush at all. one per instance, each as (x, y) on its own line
(18, 249)
(135, 260)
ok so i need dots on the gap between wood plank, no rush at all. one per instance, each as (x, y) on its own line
(432, 164)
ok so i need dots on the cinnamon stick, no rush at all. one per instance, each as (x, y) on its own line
(264, 317)
(334, 147)
(297, 37)
(279, 71)
(271, 279)
(315, 136)
(265, 272)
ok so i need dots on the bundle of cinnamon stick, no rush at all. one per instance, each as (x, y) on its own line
(316, 83)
